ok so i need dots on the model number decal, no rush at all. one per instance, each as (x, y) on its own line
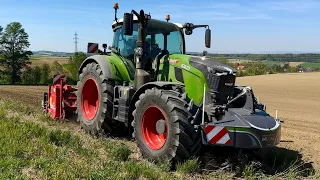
(185, 67)
(268, 138)
(172, 61)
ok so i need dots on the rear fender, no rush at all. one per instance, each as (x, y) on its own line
(103, 63)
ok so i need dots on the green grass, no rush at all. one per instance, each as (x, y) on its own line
(30, 150)
(32, 146)
(310, 65)
(121, 152)
(27, 146)
(190, 166)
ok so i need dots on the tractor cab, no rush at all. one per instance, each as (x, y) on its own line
(160, 36)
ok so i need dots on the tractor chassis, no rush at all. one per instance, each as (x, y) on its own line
(234, 130)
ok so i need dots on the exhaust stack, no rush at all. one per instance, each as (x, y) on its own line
(141, 76)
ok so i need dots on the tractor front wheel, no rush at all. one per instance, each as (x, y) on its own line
(162, 126)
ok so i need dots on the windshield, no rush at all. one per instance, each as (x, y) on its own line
(155, 40)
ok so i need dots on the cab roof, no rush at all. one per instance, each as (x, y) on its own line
(120, 21)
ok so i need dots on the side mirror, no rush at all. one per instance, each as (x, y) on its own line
(104, 48)
(208, 38)
(204, 53)
(127, 24)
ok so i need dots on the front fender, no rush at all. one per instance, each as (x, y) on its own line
(103, 63)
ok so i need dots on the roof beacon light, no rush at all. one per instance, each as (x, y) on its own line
(168, 17)
(116, 6)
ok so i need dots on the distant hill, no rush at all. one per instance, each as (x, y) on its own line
(51, 53)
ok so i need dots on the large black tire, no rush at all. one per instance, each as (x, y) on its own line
(102, 122)
(182, 139)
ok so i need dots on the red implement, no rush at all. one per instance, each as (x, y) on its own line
(60, 99)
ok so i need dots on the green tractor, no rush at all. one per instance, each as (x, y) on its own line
(172, 103)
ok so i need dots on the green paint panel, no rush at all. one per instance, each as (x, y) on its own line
(122, 68)
(194, 79)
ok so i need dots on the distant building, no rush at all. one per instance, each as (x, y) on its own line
(241, 67)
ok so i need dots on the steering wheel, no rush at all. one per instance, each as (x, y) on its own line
(155, 45)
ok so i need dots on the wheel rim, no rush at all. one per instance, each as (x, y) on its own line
(149, 132)
(90, 99)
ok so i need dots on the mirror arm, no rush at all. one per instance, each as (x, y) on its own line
(136, 13)
(200, 26)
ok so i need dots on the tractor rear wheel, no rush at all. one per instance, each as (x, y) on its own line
(95, 101)
(163, 128)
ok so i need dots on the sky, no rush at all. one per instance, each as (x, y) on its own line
(237, 26)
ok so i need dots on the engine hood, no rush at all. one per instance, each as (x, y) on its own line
(211, 65)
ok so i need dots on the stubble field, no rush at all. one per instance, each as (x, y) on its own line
(49, 60)
(295, 96)
(297, 99)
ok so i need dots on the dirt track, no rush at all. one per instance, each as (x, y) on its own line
(295, 96)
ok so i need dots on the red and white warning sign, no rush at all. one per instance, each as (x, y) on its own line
(217, 135)
(93, 48)
(57, 77)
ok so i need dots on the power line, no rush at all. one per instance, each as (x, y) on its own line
(76, 42)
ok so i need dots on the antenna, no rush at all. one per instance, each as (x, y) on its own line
(76, 42)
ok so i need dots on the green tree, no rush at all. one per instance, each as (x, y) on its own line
(286, 67)
(1, 29)
(56, 68)
(31, 75)
(45, 73)
(27, 76)
(293, 69)
(241, 73)
(14, 42)
(221, 60)
(3, 77)
(315, 68)
(257, 68)
(75, 62)
(37, 75)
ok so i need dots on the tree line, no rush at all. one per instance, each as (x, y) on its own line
(260, 68)
(303, 57)
(15, 64)
(44, 74)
